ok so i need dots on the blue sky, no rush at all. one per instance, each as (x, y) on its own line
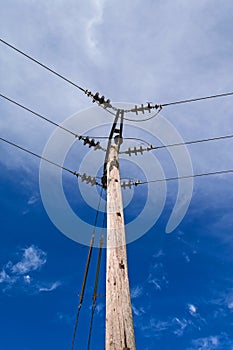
(182, 283)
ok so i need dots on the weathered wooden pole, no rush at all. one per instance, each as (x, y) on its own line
(119, 320)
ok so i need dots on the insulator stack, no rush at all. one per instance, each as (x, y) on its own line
(96, 98)
(143, 108)
(137, 150)
(128, 184)
(90, 143)
(88, 179)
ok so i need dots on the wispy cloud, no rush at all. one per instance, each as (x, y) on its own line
(5, 278)
(175, 325)
(192, 309)
(212, 342)
(138, 311)
(158, 254)
(33, 259)
(95, 20)
(50, 288)
(157, 276)
(33, 199)
(99, 308)
(208, 343)
(136, 292)
(18, 275)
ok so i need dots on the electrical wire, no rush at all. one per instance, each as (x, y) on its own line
(45, 159)
(143, 120)
(195, 141)
(50, 70)
(82, 292)
(197, 99)
(86, 273)
(38, 156)
(150, 148)
(49, 120)
(185, 177)
(38, 115)
(84, 90)
(96, 279)
(95, 293)
(62, 127)
(42, 65)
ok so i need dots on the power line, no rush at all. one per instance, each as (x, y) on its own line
(42, 65)
(151, 147)
(100, 100)
(145, 119)
(85, 139)
(80, 137)
(60, 126)
(38, 156)
(137, 109)
(184, 177)
(38, 115)
(83, 177)
(197, 99)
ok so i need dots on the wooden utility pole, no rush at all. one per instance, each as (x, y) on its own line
(119, 320)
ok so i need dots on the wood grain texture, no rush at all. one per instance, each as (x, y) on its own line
(119, 320)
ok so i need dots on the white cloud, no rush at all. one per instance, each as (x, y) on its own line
(180, 325)
(136, 292)
(99, 308)
(33, 258)
(4, 277)
(157, 276)
(155, 282)
(50, 288)
(138, 311)
(187, 258)
(192, 309)
(32, 200)
(27, 279)
(91, 28)
(175, 325)
(212, 342)
(19, 275)
(158, 254)
(208, 343)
